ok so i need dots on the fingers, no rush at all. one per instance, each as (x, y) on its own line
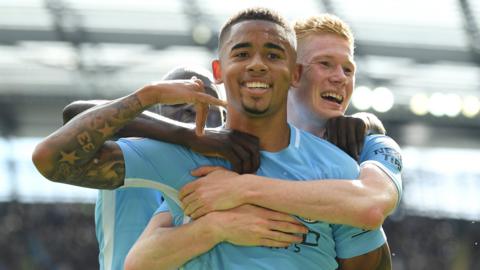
(201, 97)
(190, 205)
(282, 237)
(193, 207)
(202, 102)
(331, 130)
(283, 233)
(200, 118)
(204, 170)
(200, 212)
(251, 151)
(342, 133)
(352, 144)
(243, 164)
(269, 214)
(288, 227)
(351, 137)
(361, 133)
(186, 190)
(197, 81)
(235, 160)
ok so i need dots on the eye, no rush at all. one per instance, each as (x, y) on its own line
(273, 56)
(348, 71)
(241, 55)
(325, 63)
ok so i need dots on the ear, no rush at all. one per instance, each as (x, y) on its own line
(217, 71)
(297, 74)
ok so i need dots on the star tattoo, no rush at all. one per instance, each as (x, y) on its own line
(69, 157)
(106, 131)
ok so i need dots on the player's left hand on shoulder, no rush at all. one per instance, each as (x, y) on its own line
(348, 133)
(241, 149)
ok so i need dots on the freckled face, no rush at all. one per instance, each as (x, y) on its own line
(328, 76)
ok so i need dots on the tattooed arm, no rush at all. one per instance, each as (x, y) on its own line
(78, 153)
(241, 149)
(378, 259)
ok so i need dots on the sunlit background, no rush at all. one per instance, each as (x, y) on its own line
(418, 70)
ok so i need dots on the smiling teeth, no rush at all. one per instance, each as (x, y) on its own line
(337, 97)
(257, 85)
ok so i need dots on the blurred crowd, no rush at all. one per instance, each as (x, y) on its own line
(47, 236)
(62, 237)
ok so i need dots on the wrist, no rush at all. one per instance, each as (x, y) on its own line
(212, 227)
(193, 141)
(248, 190)
(147, 96)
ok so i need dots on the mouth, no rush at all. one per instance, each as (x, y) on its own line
(257, 88)
(260, 85)
(332, 97)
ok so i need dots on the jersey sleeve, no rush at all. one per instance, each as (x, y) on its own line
(351, 241)
(385, 153)
(156, 161)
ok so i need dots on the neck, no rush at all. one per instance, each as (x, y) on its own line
(313, 126)
(305, 120)
(272, 131)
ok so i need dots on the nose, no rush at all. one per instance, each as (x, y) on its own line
(338, 75)
(256, 64)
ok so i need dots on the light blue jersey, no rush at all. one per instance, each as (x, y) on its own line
(386, 154)
(121, 215)
(307, 157)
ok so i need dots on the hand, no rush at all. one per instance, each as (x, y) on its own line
(374, 125)
(218, 189)
(348, 133)
(249, 225)
(188, 91)
(241, 149)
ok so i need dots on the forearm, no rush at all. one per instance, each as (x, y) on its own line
(169, 248)
(360, 203)
(79, 141)
(146, 125)
(157, 127)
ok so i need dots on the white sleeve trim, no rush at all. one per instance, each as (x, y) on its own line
(167, 191)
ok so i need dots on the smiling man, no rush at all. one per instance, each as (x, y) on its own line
(257, 65)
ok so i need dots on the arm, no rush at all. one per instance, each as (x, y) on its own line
(241, 149)
(378, 259)
(185, 242)
(167, 248)
(78, 153)
(363, 203)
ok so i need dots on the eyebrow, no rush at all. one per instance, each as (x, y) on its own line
(331, 57)
(241, 45)
(270, 45)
